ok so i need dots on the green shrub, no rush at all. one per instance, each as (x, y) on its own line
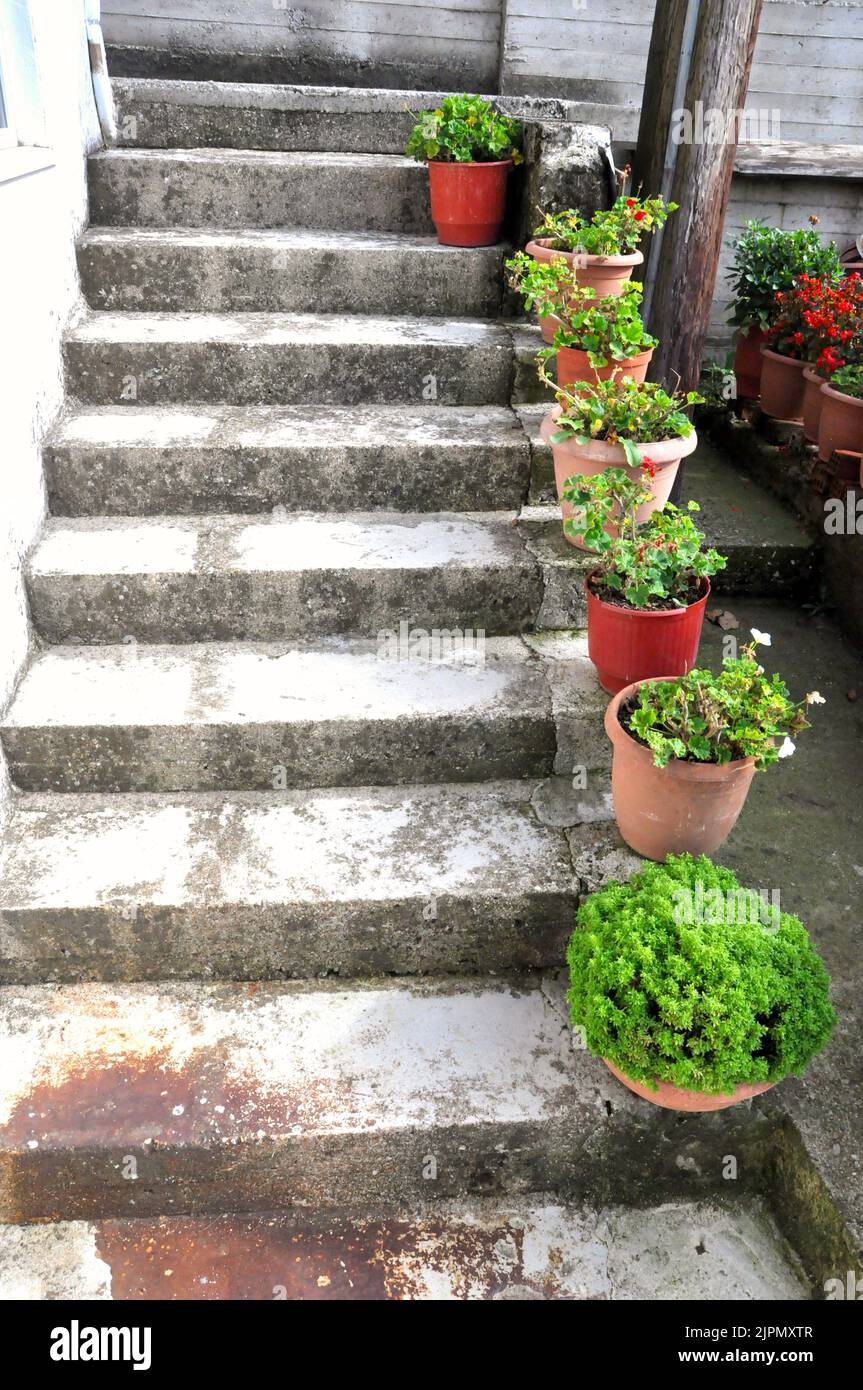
(848, 380)
(463, 130)
(702, 1006)
(770, 259)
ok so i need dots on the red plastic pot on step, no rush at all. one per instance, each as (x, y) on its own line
(468, 201)
(628, 645)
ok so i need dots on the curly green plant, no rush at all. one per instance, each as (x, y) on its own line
(770, 259)
(650, 565)
(620, 411)
(703, 1000)
(464, 130)
(739, 713)
(614, 231)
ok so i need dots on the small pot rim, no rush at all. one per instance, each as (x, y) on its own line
(599, 449)
(782, 357)
(828, 390)
(810, 374)
(688, 771)
(630, 258)
(637, 612)
(644, 356)
(467, 163)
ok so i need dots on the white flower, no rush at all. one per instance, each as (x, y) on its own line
(787, 749)
(814, 698)
(762, 638)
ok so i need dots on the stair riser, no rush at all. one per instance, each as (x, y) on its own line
(274, 607)
(250, 757)
(487, 934)
(168, 125)
(235, 192)
(138, 481)
(248, 373)
(146, 278)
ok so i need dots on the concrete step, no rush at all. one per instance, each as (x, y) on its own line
(218, 458)
(526, 1248)
(255, 717)
(268, 885)
(220, 578)
(160, 114)
(146, 1100)
(285, 359)
(259, 188)
(292, 271)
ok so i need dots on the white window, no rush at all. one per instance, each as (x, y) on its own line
(8, 137)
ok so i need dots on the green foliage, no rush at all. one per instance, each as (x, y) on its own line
(608, 329)
(465, 129)
(614, 231)
(848, 380)
(659, 559)
(769, 259)
(544, 285)
(739, 713)
(620, 411)
(699, 1005)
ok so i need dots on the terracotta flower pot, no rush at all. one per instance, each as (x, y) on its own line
(841, 424)
(574, 365)
(468, 201)
(571, 458)
(627, 645)
(812, 399)
(682, 808)
(605, 274)
(676, 1098)
(549, 324)
(781, 386)
(747, 362)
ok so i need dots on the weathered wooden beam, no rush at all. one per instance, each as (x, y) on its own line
(797, 160)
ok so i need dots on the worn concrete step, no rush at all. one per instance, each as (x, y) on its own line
(267, 885)
(491, 1249)
(293, 271)
(259, 188)
(255, 716)
(160, 114)
(219, 578)
(218, 458)
(285, 359)
(163, 1099)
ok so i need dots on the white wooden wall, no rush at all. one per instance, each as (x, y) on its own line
(397, 42)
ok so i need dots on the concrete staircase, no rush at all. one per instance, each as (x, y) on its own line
(291, 427)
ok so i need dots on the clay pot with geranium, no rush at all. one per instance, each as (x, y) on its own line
(603, 251)
(685, 751)
(819, 324)
(647, 593)
(695, 992)
(841, 423)
(618, 423)
(767, 261)
(469, 148)
(597, 339)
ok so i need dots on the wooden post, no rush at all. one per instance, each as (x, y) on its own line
(699, 61)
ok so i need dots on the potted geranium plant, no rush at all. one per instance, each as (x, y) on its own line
(617, 424)
(768, 260)
(469, 148)
(841, 424)
(833, 336)
(545, 286)
(686, 750)
(596, 339)
(694, 992)
(604, 250)
(647, 594)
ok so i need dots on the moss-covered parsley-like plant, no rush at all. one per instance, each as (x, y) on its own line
(465, 130)
(694, 998)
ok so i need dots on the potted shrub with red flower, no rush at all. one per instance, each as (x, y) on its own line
(685, 751)
(768, 260)
(832, 337)
(841, 425)
(469, 148)
(604, 250)
(617, 424)
(695, 992)
(647, 594)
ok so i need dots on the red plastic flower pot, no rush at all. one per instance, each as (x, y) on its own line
(468, 201)
(628, 645)
(747, 363)
(574, 365)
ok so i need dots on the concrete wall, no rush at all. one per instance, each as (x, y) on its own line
(41, 213)
(374, 43)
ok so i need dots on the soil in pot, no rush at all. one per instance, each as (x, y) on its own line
(574, 365)
(812, 400)
(468, 201)
(629, 644)
(782, 386)
(747, 363)
(676, 1098)
(687, 807)
(841, 425)
(604, 274)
